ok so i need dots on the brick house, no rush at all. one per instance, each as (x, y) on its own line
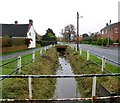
(111, 31)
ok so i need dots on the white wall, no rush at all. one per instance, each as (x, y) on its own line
(119, 11)
(31, 34)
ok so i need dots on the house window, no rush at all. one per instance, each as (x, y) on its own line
(29, 33)
(116, 30)
(106, 32)
(102, 31)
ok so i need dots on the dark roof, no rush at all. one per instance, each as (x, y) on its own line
(14, 30)
(110, 26)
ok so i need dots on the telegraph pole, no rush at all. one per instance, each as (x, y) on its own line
(77, 31)
(109, 25)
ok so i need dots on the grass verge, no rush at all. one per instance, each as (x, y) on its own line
(41, 88)
(110, 67)
(81, 66)
(7, 69)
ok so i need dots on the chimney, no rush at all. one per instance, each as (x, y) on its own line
(106, 24)
(30, 22)
(16, 22)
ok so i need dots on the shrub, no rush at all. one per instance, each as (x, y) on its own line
(117, 41)
(18, 41)
(111, 41)
(99, 42)
(45, 43)
(8, 42)
(104, 41)
(27, 41)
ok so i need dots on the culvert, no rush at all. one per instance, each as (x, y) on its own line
(61, 50)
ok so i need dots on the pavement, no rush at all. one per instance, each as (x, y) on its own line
(6, 57)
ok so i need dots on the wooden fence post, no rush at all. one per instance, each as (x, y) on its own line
(33, 57)
(80, 51)
(94, 89)
(73, 47)
(76, 48)
(103, 63)
(45, 49)
(19, 64)
(88, 55)
(40, 52)
(30, 87)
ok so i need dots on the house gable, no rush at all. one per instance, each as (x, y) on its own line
(32, 35)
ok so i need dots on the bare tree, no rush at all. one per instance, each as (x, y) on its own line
(68, 31)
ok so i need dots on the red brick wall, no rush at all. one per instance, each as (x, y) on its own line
(111, 32)
(14, 48)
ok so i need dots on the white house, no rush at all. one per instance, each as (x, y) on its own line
(31, 34)
(19, 31)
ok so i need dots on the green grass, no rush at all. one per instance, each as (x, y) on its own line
(110, 67)
(24, 59)
(17, 51)
(80, 65)
(13, 65)
(42, 88)
(9, 67)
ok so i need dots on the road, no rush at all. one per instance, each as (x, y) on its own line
(111, 54)
(6, 57)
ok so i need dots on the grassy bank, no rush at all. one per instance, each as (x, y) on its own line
(110, 67)
(81, 66)
(41, 88)
(13, 65)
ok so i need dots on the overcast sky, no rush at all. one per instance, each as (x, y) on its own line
(56, 14)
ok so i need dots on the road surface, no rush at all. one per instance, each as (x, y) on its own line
(6, 57)
(111, 54)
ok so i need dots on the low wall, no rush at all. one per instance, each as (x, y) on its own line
(13, 48)
(103, 92)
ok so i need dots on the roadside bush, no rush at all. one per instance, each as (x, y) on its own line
(117, 41)
(8, 42)
(18, 41)
(99, 42)
(104, 41)
(45, 43)
(94, 42)
(27, 41)
(85, 42)
(111, 41)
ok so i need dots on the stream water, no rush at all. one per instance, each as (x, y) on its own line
(65, 87)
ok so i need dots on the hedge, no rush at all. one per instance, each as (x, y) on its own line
(9, 42)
